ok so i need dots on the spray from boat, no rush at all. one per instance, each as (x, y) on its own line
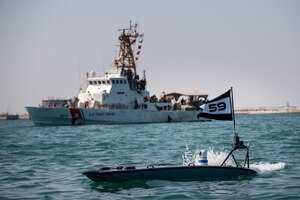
(215, 157)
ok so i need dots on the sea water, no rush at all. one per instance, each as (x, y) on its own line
(47, 162)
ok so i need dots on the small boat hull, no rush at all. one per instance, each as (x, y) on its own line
(173, 173)
(12, 117)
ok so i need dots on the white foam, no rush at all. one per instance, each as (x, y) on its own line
(214, 157)
(217, 157)
(263, 167)
(188, 156)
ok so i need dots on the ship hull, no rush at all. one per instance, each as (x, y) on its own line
(80, 116)
(173, 173)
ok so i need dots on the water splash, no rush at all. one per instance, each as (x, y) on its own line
(214, 157)
(188, 156)
(217, 157)
(264, 167)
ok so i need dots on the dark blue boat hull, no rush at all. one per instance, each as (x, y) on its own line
(173, 173)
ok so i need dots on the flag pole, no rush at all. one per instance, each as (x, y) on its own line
(232, 109)
(236, 140)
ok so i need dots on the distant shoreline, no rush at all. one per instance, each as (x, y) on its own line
(281, 110)
(22, 116)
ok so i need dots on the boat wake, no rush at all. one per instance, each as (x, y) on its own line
(265, 167)
(217, 157)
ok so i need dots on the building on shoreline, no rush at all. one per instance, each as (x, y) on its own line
(6, 116)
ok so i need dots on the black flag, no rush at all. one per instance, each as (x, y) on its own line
(220, 108)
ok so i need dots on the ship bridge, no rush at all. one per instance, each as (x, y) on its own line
(114, 88)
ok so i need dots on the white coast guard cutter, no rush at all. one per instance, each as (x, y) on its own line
(119, 96)
(219, 108)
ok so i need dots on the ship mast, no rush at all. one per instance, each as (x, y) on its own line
(125, 59)
(127, 40)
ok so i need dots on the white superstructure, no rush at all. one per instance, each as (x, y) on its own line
(113, 90)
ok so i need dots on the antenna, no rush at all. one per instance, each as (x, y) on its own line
(79, 66)
(102, 55)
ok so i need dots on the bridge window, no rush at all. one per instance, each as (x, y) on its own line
(121, 81)
(91, 82)
(108, 82)
(99, 82)
(117, 81)
(95, 82)
(113, 81)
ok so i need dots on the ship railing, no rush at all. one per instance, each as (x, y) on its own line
(112, 106)
(120, 107)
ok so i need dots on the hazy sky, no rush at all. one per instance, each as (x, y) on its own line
(46, 47)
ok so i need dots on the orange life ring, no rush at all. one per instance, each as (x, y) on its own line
(86, 104)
